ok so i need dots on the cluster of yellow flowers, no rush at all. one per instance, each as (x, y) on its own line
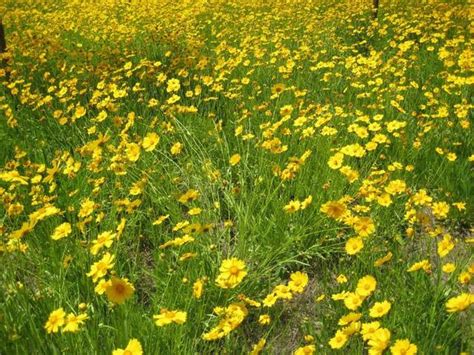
(69, 323)
(297, 284)
(211, 167)
(231, 317)
(167, 317)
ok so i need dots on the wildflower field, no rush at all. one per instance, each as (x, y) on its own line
(236, 176)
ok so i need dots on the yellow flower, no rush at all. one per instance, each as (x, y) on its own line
(352, 328)
(173, 85)
(14, 176)
(102, 286)
(80, 112)
(180, 225)
(120, 228)
(328, 131)
(104, 239)
(334, 209)
(173, 99)
(292, 206)
(133, 348)
(421, 198)
(440, 209)
(189, 196)
(119, 290)
(264, 319)
(179, 241)
(73, 322)
(349, 318)
(335, 162)
(305, 350)
(338, 340)
(366, 285)
(306, 202)
(354, 245)
(368, 329)
(87, 207)
(423, 264)
(187, 256)
(364, 226)
(403, 347)
(231, 317)
(160, 220)
(353, 150)
(198, 288)
(320, 298)
(379, 340)
(350, 174)
(464, 278)
(451, 156)
(278, 88)
(340, 279)
(132, 151)
(234, 159)
(167, 317)
(194, 211)
(61, 231)
(449, 268)
(353, 301)
(15, 208)
(298, 282)
(459, 303)
(445, 245)
(232, 272)
(384, 200)
(384, 259)
(257, 348)
(42, 213)
(270, 300)
(283, 291)
(56, 319)
(150, 141)
(101, 116)
(379, 309)
(461, 206)
(249, 301)
(396, 187)
(67, 260)
(100, 268)
(153, 102)
(286, 110)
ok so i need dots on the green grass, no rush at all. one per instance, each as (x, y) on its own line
(338, 53)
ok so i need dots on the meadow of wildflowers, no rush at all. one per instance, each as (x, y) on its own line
(236, 176)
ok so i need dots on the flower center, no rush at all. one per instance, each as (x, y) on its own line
(120, 289)
(170, 315)
(234, 270)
